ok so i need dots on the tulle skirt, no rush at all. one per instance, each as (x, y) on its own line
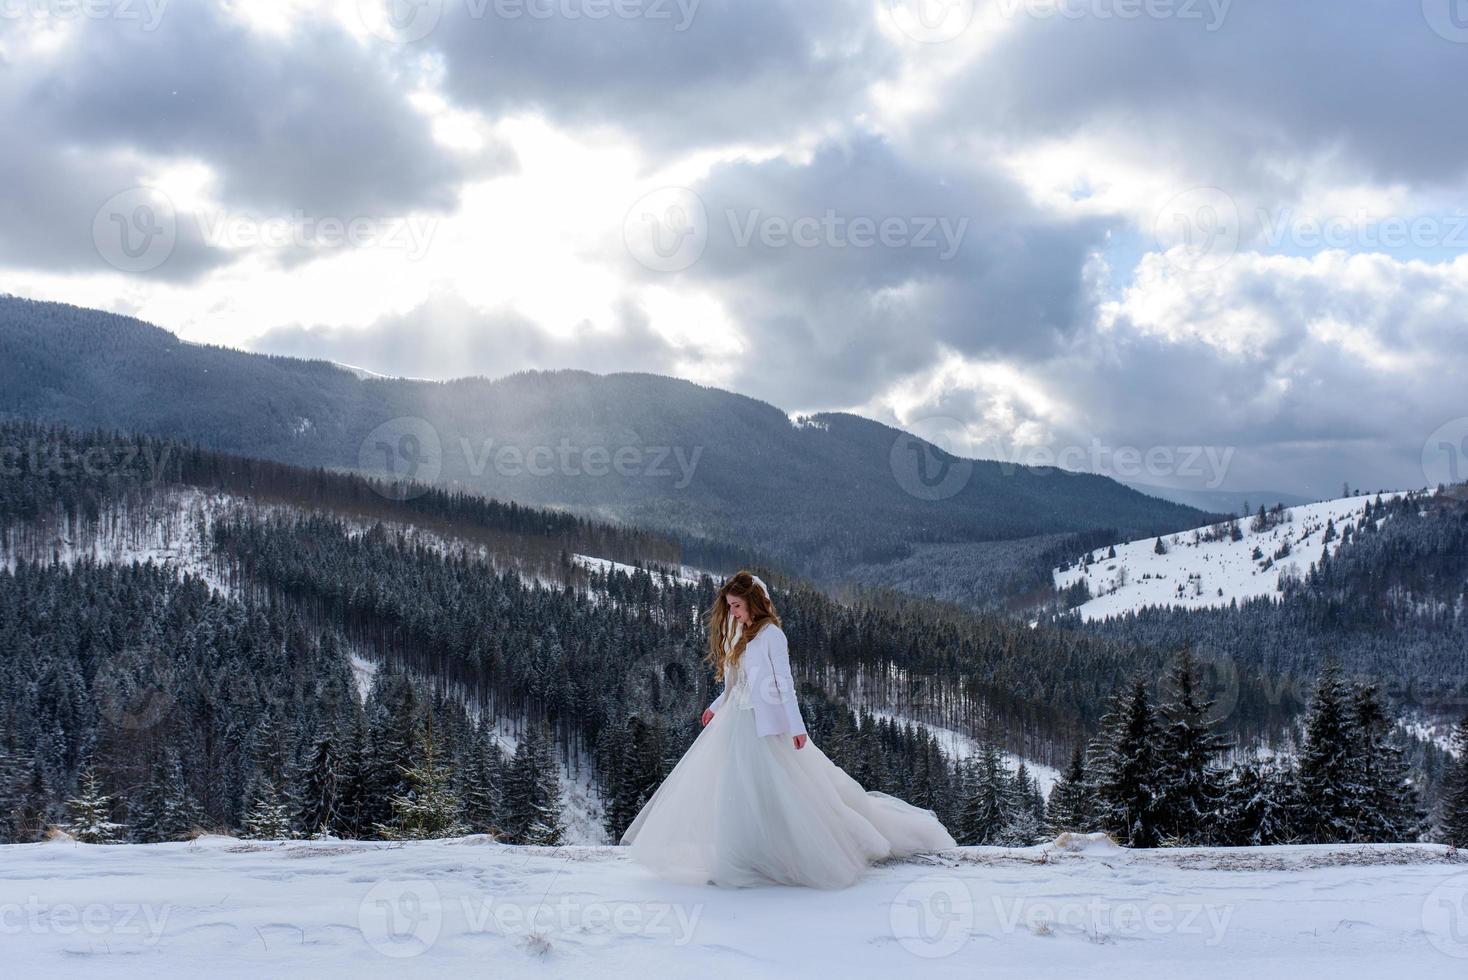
(742, 809)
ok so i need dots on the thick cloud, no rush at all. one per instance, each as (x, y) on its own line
(307, 123)
(1274, 90)
(446, 337)
(925, 257)
(962, 262)
(1300, 372)
(676, 73)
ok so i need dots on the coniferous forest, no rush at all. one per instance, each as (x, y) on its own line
(347, 659)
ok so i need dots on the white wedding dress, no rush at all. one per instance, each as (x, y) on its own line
(743, 809)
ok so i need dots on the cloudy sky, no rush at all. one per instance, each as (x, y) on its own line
(1192, 242)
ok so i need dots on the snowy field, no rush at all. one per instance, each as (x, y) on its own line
(219, 907)
(1196, 575)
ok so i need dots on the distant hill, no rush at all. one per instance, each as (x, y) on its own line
(1221, 501)
(734, 478)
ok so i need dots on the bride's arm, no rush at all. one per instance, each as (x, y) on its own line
(778, 649)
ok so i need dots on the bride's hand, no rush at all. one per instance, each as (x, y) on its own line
(708, 716)
(800, 741)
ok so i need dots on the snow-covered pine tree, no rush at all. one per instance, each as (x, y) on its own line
(1190, 786)
(393, 714)
(168, 810)
(13, 769)
(1258, 806)
(1454, 817)
(355, 786)
(483, 784)
(429, 808)
(91, 812)
(533, 791)
(320, 788)
(1127, 770)
(1025, 824)
(269, 813)
(986, 797)
(1389, 805)
(1329, 794)
(1069, 809)
(635, 756)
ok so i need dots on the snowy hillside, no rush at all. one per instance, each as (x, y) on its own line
(1196, 572)
(226, 908)
(957, 745)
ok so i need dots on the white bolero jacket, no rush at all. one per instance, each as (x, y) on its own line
(766, 667)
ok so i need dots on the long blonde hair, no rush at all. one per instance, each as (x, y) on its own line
(727, 639)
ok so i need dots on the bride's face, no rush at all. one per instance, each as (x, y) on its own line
(738, 608)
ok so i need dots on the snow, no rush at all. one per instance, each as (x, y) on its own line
(686, 574)
(364, 673)
(1210, 573)
(172, 531)
(1079, 908)
(957, 745)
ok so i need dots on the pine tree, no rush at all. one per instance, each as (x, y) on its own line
(1388, 806)
(91, 813)
(986, 797)
(635, 761)
(533, 793)
(483, 786)
(1258, 805)
(395, 720)
(321, 788)
(429, 808)
(14, 770)
(1069, 809)
(168, 810)
(1025, 824)
(1329, 795)
(1190, 783)
(269, 816)
(1454, 821)
(1128, 776)
(354, 802)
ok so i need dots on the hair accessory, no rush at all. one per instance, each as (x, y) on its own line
(762, 587)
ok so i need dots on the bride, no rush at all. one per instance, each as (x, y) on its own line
(753, 800)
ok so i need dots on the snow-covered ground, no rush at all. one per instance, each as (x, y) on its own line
(219, 907)
(1198, 574)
